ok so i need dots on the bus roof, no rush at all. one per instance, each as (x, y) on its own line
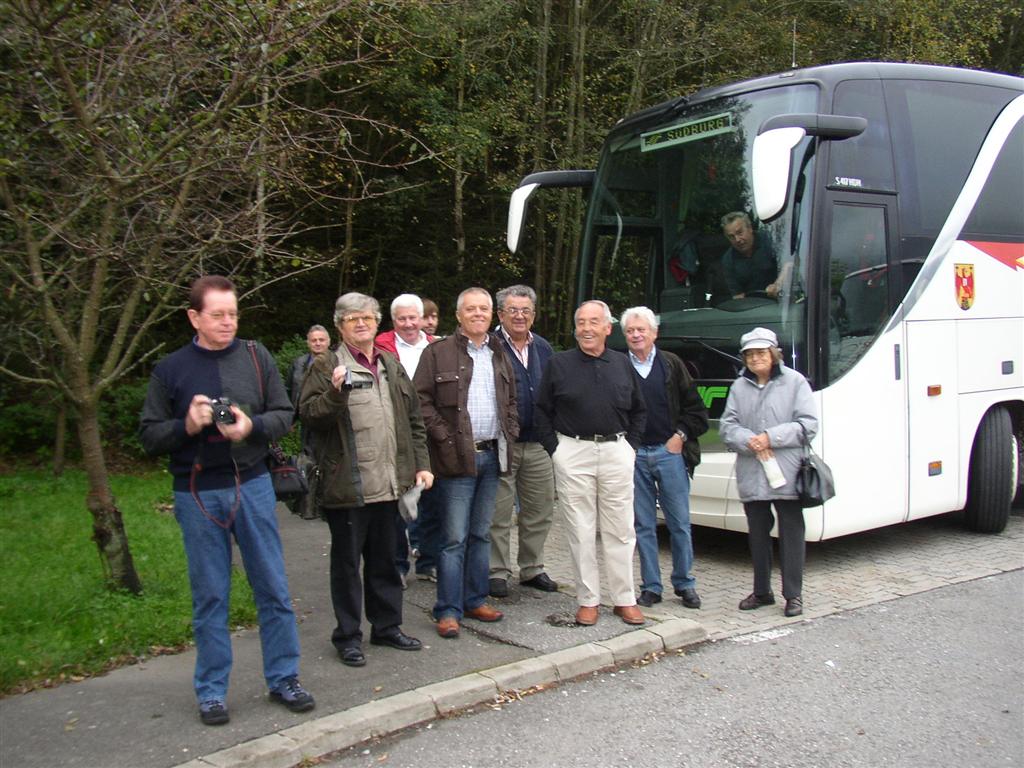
(828, 75)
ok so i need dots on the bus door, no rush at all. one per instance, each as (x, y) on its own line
(864, 405)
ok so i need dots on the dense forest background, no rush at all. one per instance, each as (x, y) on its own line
(312, 148)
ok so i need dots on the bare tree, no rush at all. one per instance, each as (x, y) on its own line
(144, 143)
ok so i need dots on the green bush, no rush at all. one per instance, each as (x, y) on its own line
(27, 427)
(119, 415)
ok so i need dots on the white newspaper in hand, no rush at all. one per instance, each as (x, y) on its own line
(408, 501)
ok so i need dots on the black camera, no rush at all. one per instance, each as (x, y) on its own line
(357, 380)
(222, 410)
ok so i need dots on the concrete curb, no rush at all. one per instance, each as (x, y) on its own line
(341, 730)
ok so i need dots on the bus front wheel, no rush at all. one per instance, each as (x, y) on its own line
(992, 481)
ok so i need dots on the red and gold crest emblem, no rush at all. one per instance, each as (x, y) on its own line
(964, 285)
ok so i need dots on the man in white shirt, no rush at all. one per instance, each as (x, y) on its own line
(407, 342)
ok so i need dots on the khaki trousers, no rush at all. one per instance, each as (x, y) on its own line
(595, 487)
(531, 479)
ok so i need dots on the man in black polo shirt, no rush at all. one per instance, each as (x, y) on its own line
(590, 417)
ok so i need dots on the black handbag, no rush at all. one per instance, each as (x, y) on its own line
(308, 506)
(289, 481)
(814, 483)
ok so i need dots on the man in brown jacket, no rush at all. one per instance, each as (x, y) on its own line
(468, 398)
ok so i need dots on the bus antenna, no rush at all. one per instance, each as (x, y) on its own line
(794, 42)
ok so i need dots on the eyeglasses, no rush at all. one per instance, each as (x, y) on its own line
(355, 319)
(517, 311)
(218, 316)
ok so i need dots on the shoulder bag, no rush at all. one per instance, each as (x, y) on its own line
(814, 484)
(289, 481)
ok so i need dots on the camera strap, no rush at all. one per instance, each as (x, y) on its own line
(197, 467)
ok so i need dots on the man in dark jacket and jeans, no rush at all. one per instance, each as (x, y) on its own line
(666, 458)
(214, 405)
(468, 399)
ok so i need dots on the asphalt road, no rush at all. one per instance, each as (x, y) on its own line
(934, 679)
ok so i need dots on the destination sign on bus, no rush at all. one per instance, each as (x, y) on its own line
(694, 130)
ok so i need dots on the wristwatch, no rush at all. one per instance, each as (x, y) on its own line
(682, 435)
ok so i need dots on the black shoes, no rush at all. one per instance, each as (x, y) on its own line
(398, 640)
(213, 712)
(541, 581)
(752, 601)
(648, 598)
(497, 587)
(794, 606)
(689, 597)
(293, 695)
(352, 657)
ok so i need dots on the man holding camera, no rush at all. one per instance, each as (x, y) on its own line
(213, 406)
(365, 414)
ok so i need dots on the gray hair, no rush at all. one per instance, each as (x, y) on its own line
(355, 302)
(484, 291)
(315, 328)
(607, 311)
(515, 291)
(407, 300)
(643, 313)
(732, 216)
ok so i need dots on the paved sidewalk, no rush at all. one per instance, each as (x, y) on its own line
(145, 715)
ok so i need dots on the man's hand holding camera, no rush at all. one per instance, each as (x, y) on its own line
(344, 379)
(231, 421)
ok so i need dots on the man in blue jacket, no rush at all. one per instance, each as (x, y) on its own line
(214, 406)
(531, 478)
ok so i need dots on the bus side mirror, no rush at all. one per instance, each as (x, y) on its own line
(529, 185)
(517, 214)
(770, 170)
(773, 149)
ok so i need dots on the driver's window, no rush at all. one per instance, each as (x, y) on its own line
(858, 283)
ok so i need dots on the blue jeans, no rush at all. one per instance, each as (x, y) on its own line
(208, 550)
(661, 475)
(464, 559)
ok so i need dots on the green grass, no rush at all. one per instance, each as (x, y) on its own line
(57, 619)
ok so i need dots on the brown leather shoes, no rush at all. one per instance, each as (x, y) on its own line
(629, 614)
(448, 627)
(483, 613)
(586, 615)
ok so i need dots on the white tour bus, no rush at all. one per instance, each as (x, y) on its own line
(892, 199)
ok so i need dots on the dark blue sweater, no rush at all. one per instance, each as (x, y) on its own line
(527, 381)
(231, 372)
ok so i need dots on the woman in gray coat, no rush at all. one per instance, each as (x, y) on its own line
(768, 415)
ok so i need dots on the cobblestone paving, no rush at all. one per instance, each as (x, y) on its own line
(843, 573)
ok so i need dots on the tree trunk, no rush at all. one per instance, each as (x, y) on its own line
(345, 271)
(107, 524)
(540, 104)
(459, 180)
(563, 267)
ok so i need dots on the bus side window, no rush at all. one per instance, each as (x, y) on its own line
(998, 214)
(858, 283)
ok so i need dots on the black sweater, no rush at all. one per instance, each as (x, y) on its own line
(231, 372)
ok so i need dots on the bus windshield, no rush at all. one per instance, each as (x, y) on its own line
(671, 226)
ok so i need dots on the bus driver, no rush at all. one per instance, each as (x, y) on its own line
(749, 263)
